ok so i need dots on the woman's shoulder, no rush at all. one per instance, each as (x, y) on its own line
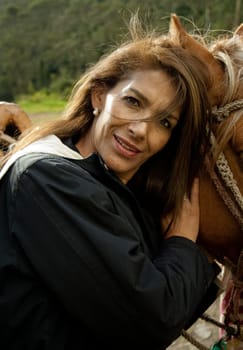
(42, 169)
(49, 176)
(44, 165)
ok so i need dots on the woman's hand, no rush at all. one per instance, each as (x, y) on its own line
(187, 223)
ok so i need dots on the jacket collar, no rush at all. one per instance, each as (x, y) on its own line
(95, 165)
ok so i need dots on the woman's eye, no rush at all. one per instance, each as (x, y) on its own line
(165, 123)
(132, 101)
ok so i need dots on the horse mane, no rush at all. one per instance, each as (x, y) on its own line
(229, 53)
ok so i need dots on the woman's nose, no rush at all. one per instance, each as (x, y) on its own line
(138, 128)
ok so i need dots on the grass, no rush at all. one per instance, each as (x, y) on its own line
(41, 102)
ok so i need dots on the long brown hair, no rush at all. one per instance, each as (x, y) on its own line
(163, 180)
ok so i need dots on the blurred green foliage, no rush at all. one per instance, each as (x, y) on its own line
(41, 102)
(47, 44)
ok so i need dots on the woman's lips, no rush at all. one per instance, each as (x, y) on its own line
(125, 147)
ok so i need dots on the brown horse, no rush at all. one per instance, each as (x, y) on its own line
(13, 121)
(221, 182)
(221, 225)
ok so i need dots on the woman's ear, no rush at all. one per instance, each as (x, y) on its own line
(98, 96)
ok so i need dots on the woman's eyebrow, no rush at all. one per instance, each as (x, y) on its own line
(145, 100)
(139, 94)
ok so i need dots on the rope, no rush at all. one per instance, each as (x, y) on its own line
(221, 113)
(234, 210)
(234, 329)
(193, 341)
(233, 300)
(207, 318)
(228, 179)
(230, 330)
(223, 166)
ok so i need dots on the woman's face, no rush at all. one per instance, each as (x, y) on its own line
(131, 125)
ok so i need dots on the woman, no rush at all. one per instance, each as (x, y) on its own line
(84, 261)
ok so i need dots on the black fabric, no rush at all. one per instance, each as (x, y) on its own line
(83, 267)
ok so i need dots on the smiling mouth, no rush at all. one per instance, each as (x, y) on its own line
(126, 146)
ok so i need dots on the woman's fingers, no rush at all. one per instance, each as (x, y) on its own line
(187, 222)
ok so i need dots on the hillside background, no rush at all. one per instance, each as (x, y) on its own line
(46, 44)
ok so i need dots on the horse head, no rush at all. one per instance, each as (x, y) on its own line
(221, 200)
(199, 49)
(221, 180)
(13, 121)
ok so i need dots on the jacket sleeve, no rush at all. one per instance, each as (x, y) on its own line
(92, 260)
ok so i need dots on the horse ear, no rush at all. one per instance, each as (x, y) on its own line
(239, 30)
(176, 30)
(179, 35)
(182, 38)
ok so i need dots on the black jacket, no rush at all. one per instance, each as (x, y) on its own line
(82, 266)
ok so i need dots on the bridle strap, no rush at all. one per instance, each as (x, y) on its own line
(226, 175)
(221, 113)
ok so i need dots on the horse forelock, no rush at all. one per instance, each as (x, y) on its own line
(229, 53)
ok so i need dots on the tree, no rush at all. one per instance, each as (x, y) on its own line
(237, 13)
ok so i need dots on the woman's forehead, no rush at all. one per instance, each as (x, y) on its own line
(152, 87)
(143, 78)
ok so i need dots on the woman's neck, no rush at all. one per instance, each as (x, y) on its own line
(85, 145)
